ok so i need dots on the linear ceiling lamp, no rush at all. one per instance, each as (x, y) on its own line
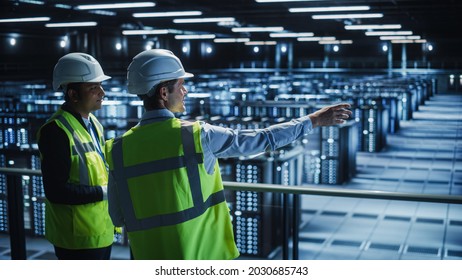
(387, 33)
(169, 14)
(35, 2)
(204, 20)
(63, 6)
(116, 6)
(402, 41)
(414, 37)
(315, 39)
(30, 19)
(372, 26)
(348, 16)
(258, 29)
(260, 43)
(291, 35)
(330, 9)
(145, 32)
(336, 42)
(72, 24)
(231, 40)
(195, 37)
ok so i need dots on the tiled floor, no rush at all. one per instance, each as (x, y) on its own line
(425, 156)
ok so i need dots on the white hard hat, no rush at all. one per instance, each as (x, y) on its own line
(77, 68)
(150, 68)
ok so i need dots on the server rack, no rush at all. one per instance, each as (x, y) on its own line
(373, 127)
(330, 154)
(3, 198)
(257, 216)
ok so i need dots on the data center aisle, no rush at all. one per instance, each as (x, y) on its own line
(425, 156)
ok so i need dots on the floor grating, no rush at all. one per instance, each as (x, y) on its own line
(388, 247)
(423, 250)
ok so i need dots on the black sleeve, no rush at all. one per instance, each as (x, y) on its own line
(56, 165)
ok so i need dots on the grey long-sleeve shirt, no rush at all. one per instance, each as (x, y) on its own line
(220, 142)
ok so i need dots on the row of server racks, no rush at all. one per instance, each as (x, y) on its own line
(326, 156)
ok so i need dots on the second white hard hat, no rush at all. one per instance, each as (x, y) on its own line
(151, 67)
(77, 68)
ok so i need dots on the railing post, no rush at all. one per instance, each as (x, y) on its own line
(285, 226)
(16, 217)
(295, 225)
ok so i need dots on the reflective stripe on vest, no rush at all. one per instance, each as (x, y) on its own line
(190, 160)
(79, 149)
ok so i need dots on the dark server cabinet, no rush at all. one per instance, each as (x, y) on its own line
(257, 216)
(3, 198)
(372, 127)
(37, 200)
(330, 154)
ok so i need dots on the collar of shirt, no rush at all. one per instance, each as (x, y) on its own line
(155, 116)
(86, 122)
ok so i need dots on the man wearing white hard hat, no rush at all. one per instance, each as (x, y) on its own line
(165, 185)
(74, 168)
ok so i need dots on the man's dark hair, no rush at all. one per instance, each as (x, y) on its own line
(152, 102)
(74, 86)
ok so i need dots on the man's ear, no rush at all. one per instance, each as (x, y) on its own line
(163, 93)
(73, 95)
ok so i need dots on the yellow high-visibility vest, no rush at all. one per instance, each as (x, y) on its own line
(85, 226)
(172, 208)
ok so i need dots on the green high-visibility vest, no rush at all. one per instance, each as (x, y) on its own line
(172, 208)
(83, 226)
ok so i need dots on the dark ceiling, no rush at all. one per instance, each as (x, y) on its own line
(437, 21)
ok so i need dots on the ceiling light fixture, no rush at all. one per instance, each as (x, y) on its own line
(315, 39)
(258, 29)
(329, 9)
(194, 37)
(72, 24)
(259, 43)
(231, 40)
(204, 20)
(32, 2)
(63, 6)
(335, 42)
(103, 12)
(372, 26)
(402, 41)
(347, 16)
(116, 6)
(31, 19)
(291, 35)
(168, 14)
(387, 33)
(385, 38)
(145, 32)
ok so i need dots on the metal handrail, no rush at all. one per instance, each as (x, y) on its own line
(16, 215)
(20, 171)
(342, 192)
(305, 189)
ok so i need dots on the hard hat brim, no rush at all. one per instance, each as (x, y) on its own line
(99, 79)
(187, 75)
